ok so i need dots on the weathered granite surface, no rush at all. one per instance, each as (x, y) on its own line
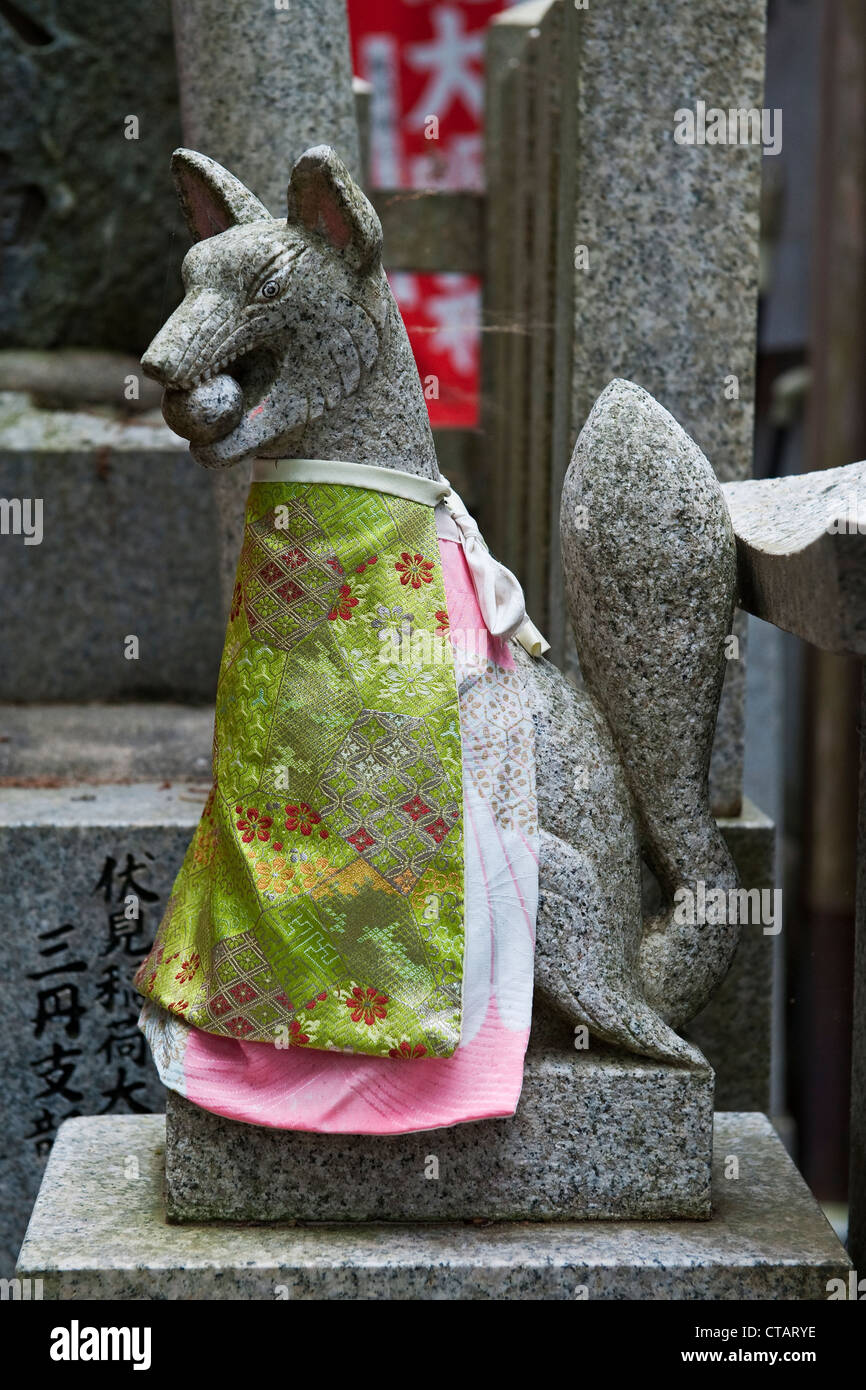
(128, 548)
(131, 741)
(98, 1231)
(669, 297)
(801, 554)
(596, 1136)
(87, 259)
(69, 1023)
(581, 282)
(259, 85)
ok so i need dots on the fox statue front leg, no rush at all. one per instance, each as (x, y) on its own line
(289, 343)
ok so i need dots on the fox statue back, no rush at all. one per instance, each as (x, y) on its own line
(288, 349)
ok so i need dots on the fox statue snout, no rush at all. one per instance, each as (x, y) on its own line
(280, 318)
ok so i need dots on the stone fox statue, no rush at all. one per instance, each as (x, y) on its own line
(288, 345)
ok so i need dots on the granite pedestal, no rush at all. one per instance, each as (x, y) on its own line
(99, 1231)
(596, 1135)
(76, 829)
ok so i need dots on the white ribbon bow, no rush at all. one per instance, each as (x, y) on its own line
(500, 597)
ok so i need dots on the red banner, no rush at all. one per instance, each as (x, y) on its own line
(424, 62)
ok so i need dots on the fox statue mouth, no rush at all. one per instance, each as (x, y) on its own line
(206, 407)
(245, 366)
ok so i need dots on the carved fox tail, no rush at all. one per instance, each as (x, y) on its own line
(650, 566)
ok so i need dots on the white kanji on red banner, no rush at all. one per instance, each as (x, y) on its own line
(424, 62)
(451, 61)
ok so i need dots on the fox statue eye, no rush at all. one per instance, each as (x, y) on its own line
(270, 289)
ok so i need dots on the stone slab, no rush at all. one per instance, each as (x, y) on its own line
(72, 378)
(98, 1231)
(68, 1024)
(801, 554)
(596, 1135)
(128, 548)
(59, 744)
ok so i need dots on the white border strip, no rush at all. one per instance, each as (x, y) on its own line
(428, 491)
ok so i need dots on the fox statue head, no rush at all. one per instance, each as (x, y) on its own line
(284, 322)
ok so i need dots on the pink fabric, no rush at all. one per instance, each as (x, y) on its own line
(335, 1094)
(464, 614)
(338, 1093)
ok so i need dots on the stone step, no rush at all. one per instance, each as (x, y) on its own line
(98, 1231)
(597, 1135)
(132, 741)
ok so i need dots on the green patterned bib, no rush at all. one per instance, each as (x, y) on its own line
(321, 899)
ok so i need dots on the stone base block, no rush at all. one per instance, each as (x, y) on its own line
(98, 1231)
(596, 1135)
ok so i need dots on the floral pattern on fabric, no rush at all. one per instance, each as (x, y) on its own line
(300, 913)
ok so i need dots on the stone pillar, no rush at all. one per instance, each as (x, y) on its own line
(836, 434)
(857, 1165)
(509, 315)
(666, 294)
(259, 84)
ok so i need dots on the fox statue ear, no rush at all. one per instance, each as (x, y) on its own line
(324, 199)
(211, 198)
